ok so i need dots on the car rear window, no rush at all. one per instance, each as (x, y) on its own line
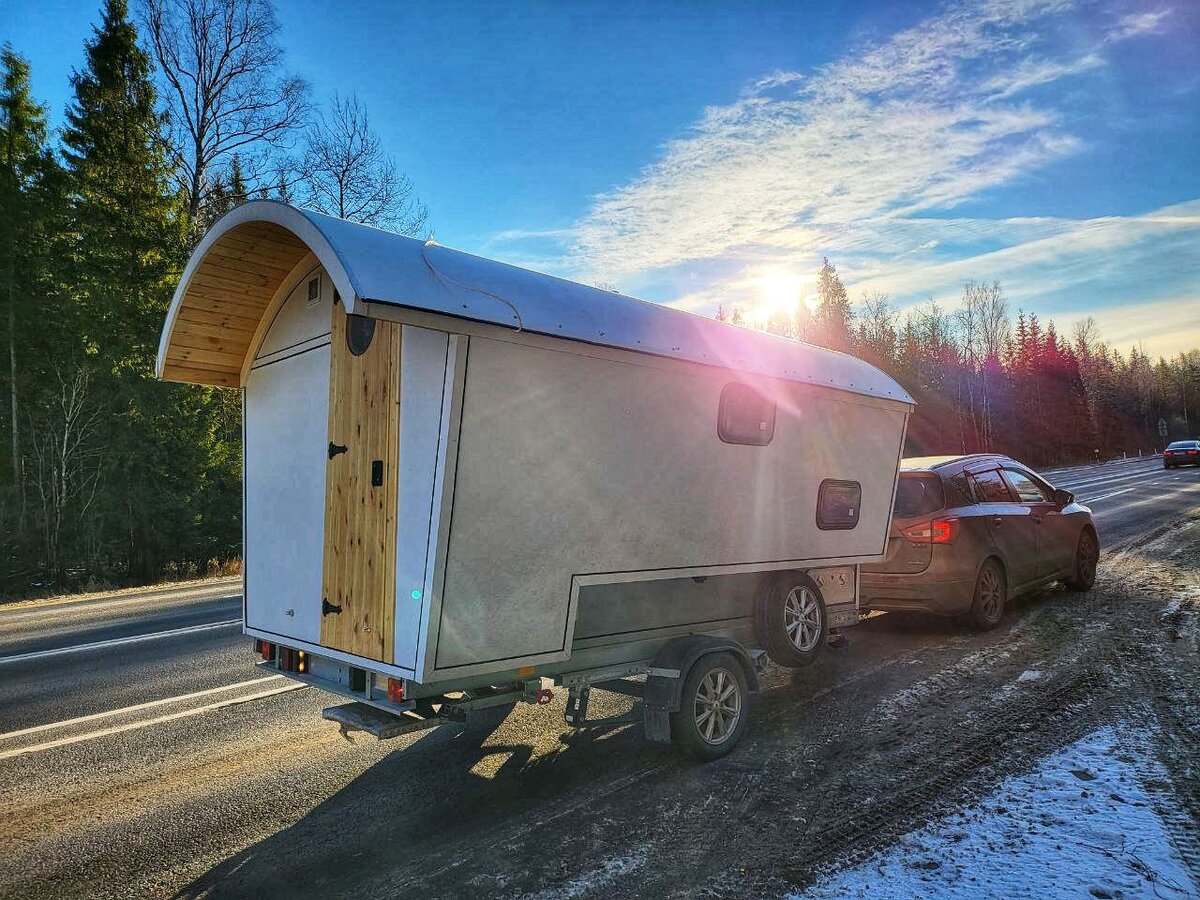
(918, 495)
(1183, 445)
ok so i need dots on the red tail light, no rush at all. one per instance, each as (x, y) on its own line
(293, 660)
(396, 690)
(1193, 452)
(939, 531)
(265, 649)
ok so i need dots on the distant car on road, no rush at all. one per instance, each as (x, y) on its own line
(1181, 453)
(971, 532)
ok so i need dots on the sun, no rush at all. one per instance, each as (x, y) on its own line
(780, 292)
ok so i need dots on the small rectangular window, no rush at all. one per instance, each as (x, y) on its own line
(745, 416)
(314, 291)
(838, 504)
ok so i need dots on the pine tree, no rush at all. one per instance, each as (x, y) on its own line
(129, 234)
(23, 162)
(163, 444)
(833, 318)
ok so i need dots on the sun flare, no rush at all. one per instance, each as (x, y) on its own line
(781, 292)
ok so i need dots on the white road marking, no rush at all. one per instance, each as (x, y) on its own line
(117, 642)
(1108, 479)
(136, 707)
(1106, 496)
(229, 587)
(118, 729)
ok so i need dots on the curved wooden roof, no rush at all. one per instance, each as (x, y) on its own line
(255, 255)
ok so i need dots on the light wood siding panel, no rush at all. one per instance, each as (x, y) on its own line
(360, 520)
(225, 299)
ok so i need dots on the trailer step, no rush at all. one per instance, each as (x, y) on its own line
(383, 725)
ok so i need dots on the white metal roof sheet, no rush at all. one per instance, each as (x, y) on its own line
(382, 267)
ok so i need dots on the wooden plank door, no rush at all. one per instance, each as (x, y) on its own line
(359, 574)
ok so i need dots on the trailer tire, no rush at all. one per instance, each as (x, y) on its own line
(791, 621)
(713, 709)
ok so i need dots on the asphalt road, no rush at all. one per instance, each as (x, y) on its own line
(141, 754)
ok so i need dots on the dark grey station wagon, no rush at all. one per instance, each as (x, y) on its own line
(969, 533)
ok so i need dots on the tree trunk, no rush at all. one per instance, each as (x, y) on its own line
(12, 374)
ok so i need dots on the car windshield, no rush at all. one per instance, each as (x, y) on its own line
(1183, 445)
(918, 495)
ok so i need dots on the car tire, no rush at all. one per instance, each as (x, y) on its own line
(1087, 555)
(790, 620)
(713, 708)
(990, 597)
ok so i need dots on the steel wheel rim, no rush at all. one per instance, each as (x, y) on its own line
(802, 618)
(1088, 558)
(989, 592)
(718, 706)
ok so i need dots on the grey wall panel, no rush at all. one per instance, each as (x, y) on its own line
(570, 465)
(617, 609)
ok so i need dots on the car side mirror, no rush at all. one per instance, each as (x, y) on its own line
(1063, 497)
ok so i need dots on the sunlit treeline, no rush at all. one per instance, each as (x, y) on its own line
(986, 379)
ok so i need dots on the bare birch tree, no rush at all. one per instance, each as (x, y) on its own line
(226, 91)
(346, 173)
(66, 465)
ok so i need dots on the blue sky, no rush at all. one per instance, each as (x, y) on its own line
(697, 153)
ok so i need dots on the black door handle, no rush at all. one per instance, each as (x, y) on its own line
(335, 449)
(327, 607)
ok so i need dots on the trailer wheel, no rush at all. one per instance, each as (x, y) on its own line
(791, 620)
(713, 707)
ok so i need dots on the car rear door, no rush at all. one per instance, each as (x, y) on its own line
(919, 497)
(1057, 535)
(1011, 524)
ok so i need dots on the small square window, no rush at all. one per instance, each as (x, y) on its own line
(838, 505)
(745, 416)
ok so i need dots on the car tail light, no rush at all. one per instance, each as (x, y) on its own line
(1193, 452)
(939, 531)
(265, 649)
(396, 690)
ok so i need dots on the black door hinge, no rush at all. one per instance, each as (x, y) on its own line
(327, 607)
(335, 449)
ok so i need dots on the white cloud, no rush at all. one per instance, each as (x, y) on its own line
(1136, 24)
(1033, 72)
(865, 160)
(914, 126)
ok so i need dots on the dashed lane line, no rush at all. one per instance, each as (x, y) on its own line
(131, 726)
(117, 642)
(137, 707)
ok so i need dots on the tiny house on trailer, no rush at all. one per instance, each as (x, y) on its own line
(465, 481)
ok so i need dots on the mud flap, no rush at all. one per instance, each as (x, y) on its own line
(664, 679)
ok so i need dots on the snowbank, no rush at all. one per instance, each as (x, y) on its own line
(1081, 826)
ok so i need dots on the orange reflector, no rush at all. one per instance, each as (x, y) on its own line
(525, 671)
(396, 690)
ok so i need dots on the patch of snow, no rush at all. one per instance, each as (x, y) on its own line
(596, 881)
(891, 708)
(1080, 826)
(1030, 675)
